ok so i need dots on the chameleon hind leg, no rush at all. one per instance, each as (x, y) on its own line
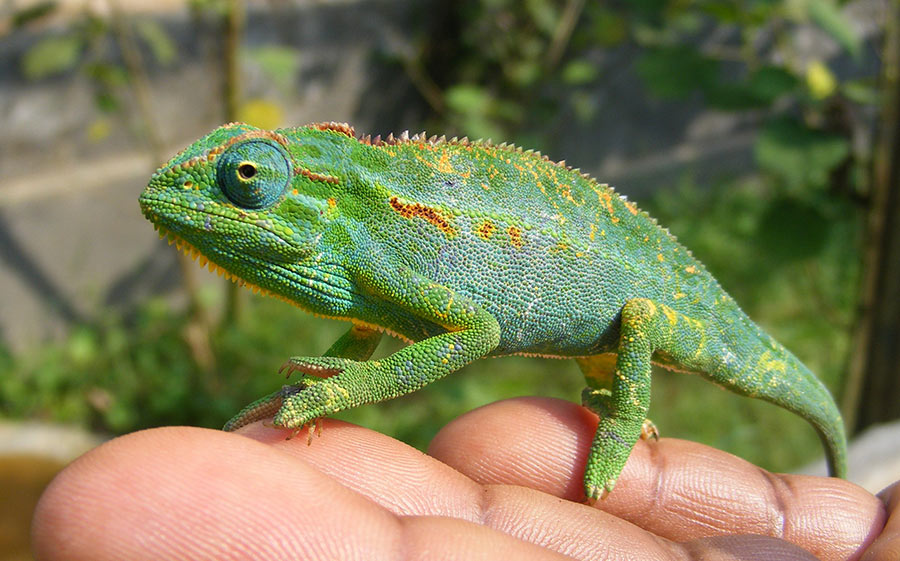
(598, 371)
(646, 327)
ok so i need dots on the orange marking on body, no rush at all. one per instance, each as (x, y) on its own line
(515, 237)
(691, 269)
(317, 176)
(606, 199)
(444, 163)
(485, 230)
(631, 207)
(485, 186)
(332, 202)
(430, 215)
(255, 134)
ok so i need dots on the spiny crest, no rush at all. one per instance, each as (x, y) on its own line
(342, 128)
(434, 140)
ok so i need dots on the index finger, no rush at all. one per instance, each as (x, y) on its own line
(676, 489)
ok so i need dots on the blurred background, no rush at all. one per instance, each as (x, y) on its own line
(763, 133)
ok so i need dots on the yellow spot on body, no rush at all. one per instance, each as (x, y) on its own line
(593, 233)
(660, 258)
(679, 295)
(769, 363)
(485, 230)
(690, 269)
(515, 237)
(670, 315)
(332, 202)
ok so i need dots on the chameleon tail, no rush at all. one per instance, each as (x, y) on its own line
(809, 398)
(775, 375)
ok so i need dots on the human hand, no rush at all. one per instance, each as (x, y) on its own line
(191, 493)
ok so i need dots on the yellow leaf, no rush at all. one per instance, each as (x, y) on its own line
(820, 81)
(99, 129)
(261, 113)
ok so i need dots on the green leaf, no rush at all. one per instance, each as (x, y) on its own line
(799, 221)
(827, 16)
(579, 72)
(609, 28)
(468, 99)
(761, 89)
(280, 64)
(862, 92)
(543, 14)
(674, 72)
(800, 156)
(524, 72)
(26, 15)
(770, 82)
(158, 40)
(51, 55)
(732, 96)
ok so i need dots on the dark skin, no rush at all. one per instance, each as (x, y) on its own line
(502, 482)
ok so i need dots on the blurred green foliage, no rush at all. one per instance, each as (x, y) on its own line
(782, 238)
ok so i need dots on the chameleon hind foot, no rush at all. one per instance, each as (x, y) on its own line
(598, 402)
(649, 430)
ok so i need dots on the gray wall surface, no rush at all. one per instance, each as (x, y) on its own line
(73, 243)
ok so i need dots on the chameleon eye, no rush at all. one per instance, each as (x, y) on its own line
(253, 174)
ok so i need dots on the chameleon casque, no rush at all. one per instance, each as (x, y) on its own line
(466, 250)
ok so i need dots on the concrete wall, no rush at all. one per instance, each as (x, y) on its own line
(72, 241)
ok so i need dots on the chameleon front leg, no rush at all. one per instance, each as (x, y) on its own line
(358, 343)
(646, 327)
(336, 383)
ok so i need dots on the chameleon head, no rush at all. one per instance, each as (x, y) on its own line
(236, 199)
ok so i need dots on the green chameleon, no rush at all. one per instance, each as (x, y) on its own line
(465, 250)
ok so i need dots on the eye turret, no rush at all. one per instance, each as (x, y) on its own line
(253, 174)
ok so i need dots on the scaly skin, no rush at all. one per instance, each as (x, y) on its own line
(466, 249)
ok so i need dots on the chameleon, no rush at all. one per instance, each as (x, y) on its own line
(465, 249)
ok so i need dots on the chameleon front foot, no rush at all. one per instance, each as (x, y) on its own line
(260, 409)
(269, 406)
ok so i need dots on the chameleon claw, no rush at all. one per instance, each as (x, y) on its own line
(596, 494)
(310, 368)
(649, 430)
